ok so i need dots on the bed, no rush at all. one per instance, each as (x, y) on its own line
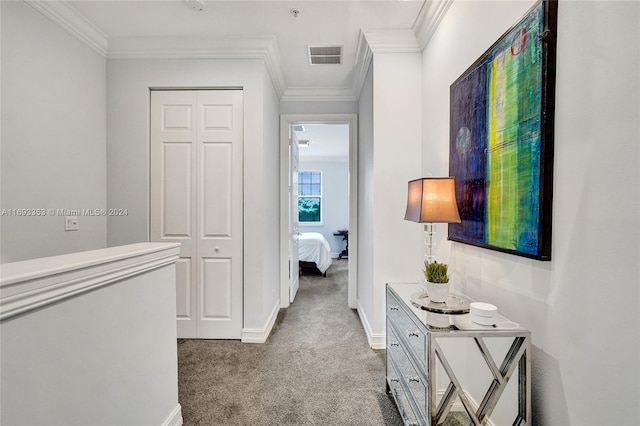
(314, 251)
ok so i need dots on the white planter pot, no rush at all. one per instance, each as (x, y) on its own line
(437, 292)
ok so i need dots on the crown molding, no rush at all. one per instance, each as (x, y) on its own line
(248, 47)
(392, 41)
(253, 47)
(364, 55)
(69, 19)
(429, 19)
(293, 94)
(415, 40)
(383, 41)
(272, 60)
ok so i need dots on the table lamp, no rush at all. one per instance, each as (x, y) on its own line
(432, 200)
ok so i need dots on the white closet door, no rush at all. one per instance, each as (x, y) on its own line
(219, 214)
(196, 199)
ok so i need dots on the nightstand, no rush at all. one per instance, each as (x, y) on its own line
(345, 237)
(427, 387)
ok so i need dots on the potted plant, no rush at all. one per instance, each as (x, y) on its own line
(437, 281)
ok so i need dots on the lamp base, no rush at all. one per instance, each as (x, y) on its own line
(428, 241)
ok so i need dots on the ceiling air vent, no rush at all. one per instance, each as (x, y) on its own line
(323, 55)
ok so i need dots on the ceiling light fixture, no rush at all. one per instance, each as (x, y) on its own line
(197, 5)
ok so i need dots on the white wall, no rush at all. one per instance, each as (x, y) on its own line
(335, 199)
(582, 307)
(96, 344)
(53, 136)
(390, 152)
(397, 125)
(128, 83)
(365, 203)
(271, 207)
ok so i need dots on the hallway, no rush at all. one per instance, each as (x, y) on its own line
(316, 368)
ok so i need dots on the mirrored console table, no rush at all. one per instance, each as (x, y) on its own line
(425, 382)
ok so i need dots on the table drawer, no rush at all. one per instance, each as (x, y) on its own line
(406, 372)
(409, 330)
(403, 403)
(409, 418)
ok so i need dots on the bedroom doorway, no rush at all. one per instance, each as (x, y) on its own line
(307, 150)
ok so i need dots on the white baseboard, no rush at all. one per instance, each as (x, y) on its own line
(175, 418)
(376, 341)
(260, 335)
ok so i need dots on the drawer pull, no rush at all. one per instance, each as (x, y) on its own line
(394, 380)
(394, 308)
(414, 379)
(395, 344)
(414, 334)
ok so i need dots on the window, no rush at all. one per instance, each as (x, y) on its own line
(310, 197)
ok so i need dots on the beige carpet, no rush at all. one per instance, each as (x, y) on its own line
(316, 368)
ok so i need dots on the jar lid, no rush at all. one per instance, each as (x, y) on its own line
(483, 309)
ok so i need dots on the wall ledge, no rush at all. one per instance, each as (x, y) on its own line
(33, 284)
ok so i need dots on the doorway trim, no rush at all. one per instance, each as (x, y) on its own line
(285, 121)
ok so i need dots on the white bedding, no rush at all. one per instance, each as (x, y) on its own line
(314, 247)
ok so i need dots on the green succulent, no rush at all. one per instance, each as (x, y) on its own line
(436, 272)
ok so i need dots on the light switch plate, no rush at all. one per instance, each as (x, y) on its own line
(71, 223)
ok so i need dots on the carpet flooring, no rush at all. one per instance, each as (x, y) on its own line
(316, 368)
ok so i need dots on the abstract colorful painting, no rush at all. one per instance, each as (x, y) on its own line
(501, 140)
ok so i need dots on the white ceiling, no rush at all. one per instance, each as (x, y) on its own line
(260, 29)
(326, 142)
(125, 28)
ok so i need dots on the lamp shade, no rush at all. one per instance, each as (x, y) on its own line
(432, 200)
